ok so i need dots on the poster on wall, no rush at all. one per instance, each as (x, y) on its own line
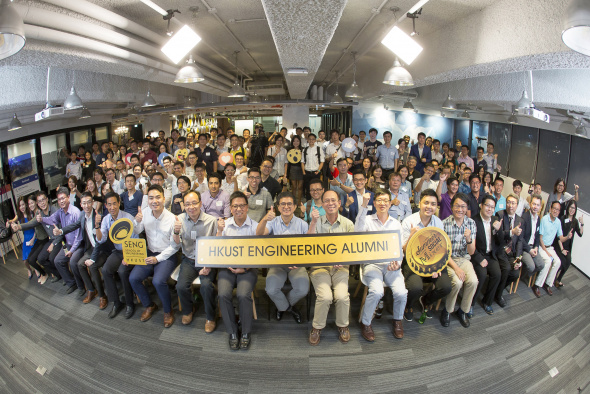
(24, 180)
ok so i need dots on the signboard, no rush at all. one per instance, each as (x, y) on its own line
(428, 251)
(134, 249)
(299, 250)
(27, 185)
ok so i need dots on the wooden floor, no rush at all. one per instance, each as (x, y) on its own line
(84, 351)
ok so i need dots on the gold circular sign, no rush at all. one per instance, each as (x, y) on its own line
(121, 230)
(428, 251)
(294, 156)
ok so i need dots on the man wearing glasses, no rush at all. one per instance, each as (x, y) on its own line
(316, 189)
(376, 274)
(259, 200)
(284, 224)
(267, 182)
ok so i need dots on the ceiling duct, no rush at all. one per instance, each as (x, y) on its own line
(267, 88)
(406, 94)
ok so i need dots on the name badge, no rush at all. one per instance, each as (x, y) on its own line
(382, 186)
(259, 202)
(150, 160)
(265, 189)
(207, 153)
(405, 202)
(193, 235)
(219, 203)
(566, 221)
(369, 207)
(404, 189)
(392, 153)
(459, 237)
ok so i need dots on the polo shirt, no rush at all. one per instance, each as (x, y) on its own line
(204, 226)
(341, 225)
(248, 228)
(387, 156)
(277, 226)
(207, 156)
(500, 204)
(414, 221)
(130, 203)
(549, 229)
(258, 204)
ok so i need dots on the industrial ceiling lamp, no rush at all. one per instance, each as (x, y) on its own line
(525, 101)
(512, 119)
(449, 104)
(237, 90)
(354, 91)
(189, 73)
(465, 114)
(14, 124)
(73, 101)
(408, 106)
(336, 99)
(580, 130)
(149, 100)
(85, 113)
(576, 32)
(12, 30)
(398, 76)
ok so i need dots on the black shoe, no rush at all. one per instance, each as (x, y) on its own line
(409, 315)
(280, 314)
(129, 311)
(245, 341)
(234, 342)
(501, 301)
(463, 319)
(81, 292)
(71, 289)
(115, 310)
(425, 308)
(445, 318)
(296, 314)
(55, 279)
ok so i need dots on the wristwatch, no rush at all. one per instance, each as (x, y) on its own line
(470, 241)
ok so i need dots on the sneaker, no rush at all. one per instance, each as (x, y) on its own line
(379, 310)
(409, 315)
(425, 308)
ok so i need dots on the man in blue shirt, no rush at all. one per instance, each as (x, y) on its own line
(387, 156)
(131, 197)
(500, 199)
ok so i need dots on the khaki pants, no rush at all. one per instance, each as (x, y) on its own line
(469, 285)
(326, 279)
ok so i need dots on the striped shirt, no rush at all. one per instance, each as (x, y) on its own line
(457, 235)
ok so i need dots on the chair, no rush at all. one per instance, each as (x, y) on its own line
(11, 244)
(532, 279)
(174, 277)
(287, 287)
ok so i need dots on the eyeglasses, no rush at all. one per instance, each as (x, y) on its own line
(286, 204)
(254, 177)
(239, 206)
(382, 201)
(490, 206)
(191, 204)
(461, 206)
(315, 190)
(266, 166)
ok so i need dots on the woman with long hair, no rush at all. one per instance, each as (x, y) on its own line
(23, 215)
(559, 194)
(366, 167)
(88, 166)
(75, 194)
(376, 180)
(162, 148)
(96, 197)
(230, 182)
(294, 172)
(487, 183)
(569, 223)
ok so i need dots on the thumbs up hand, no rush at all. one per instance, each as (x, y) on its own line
(315, 214)
(498, 224)
(56, 231)
(517, 230)
(98, 218)
(39, 217)
(349, 201)
(220, 225)
(413, 230)
(177, 225)
(270, 215)
(139, 216)
(366, 199)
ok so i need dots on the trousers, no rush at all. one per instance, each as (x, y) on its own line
(325, 280)
(112, 265)
(46, 258)
(493, 270)
(469, 285)
(415, 286)
(91, 274)
(549, 271)
(275, 280)
(244, 284)
(374, 277)
(160, 273)
(566, 261)
(532, 264)
(507, 274)
(187, 274)
(34, 254)
(62, 264)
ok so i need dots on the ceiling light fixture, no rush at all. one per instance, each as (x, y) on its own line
(73, 101)
(512, 119)
(398, 76)
(353, 91)
(580, 130)
(85, 113)
(14, 124)
(155, 7)
(449, 104)
(336, 99)
(237, 90)
(12, 30)
(180, 44)
(414, 16)
(402, 45)
(465, 114)
(189, 73)
(149, 100)
(255, 98)
(576, 33)
(525, 101)
(297, 71)
(408, 106)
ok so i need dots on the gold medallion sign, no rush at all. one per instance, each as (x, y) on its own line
(299, 250)
(428, 251)
(134, 249)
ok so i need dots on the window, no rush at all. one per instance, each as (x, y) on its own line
(554, 152)
(523, 153)
(80, 138)
(500, 135)
(462, 131)
(101, 134)
(55, 158)
(22, 162)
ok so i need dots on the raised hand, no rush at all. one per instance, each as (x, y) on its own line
(139, 216)
(177, 225)
(334, 182)
(413, 230)
(395, 202)
(220, 224)
(270, 215)
(517, 230)
(366, 199)
(98, 217)
(497, 224)
(349, 201)
(315, 214)
(39, 217)
(581, 219)
(576, 188)
(571, 234)
(467, 234)
(56, 231)
(444, 177)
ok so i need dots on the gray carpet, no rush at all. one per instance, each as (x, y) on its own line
(86, 352)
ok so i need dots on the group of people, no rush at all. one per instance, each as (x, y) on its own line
(187, 193)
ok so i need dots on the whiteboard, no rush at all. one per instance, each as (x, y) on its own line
(580, 250)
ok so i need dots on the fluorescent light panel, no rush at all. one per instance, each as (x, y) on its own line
(402, 45)
(155, 7)
(180, 44)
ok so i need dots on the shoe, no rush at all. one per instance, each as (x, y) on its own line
(463, 319)
(71, 289)
(43, 279)
(168, 319)
(344, 336)
(398, 329)
(379, 310)
(210, 326)
(279, 315)
(234, 342)
(296, 314)
(103, 302)
(501, 301)
(425, 308)
(367, 332)
(30, 274)
(488, 309)
(115, 310)
(409, 315)
(187, 319)
(548, 289)
(129, 311)
(445, 318)
(55, 279)
(536, 290)
(89, 297)
(314, 337)
(148, 312)
(245, 341)
(558, 284)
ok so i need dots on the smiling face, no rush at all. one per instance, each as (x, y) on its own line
(487, 209)
(32, 205)
(182, 185)
(71, 184)
(394, 183)
(330, 202)
(511, 205)
(382, 203)
(156, 200)
(286, 207)
(239, 209)
(22, 206)
(459, 208)
(254, 180)
(428, 206)
(214, 185)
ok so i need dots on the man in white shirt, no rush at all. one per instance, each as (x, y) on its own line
(74, 167)
(522, 202)
(425, 182)
(334, 150)
(312, 161)
(436, 155)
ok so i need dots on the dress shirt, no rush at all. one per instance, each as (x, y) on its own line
(491, 162)
(467, 160)
(203, 186)
(487, 225)
(158, 232)
(277, 226)
(150, 156)
(108, 221)
(522, 205)
(90, 230)
(429, 184)
(403, 209)
(341, 193)
(205, 226)
(359, 198)
(65, 219)
(280, 159)
(248, 228)
(331, 149)
(457, 235)
(341, 225)
(310, 157)
(386, 156)
(217, 206)
(464, 188)
(415, 221)
(550, 229)
(74, 169)
(242, 178)
(533, 228)
(406, 188)
(437, 156)
(366, 223)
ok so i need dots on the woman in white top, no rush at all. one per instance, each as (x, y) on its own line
(279, 153)
(230, 183)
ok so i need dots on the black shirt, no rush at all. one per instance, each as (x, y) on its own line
(207, 156)
(474, 204)
(272, 186)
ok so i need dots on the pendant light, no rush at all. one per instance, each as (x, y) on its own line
(85, 113)
(449, 104)
(353, 91)
(580, 130)
(12, 30)
(576, 25)
(255, 99)
(189, 73)
(336, 99)
(149, 100)
(14, 124)
(408, 106)
(525, 101)
(512, 119)
(237, 90)
(465, 114)
(398, 76)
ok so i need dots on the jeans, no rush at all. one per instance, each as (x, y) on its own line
(275, 280)
(160, 273)
(76, 257)
(188, 273)
(244, 284)
(112, 265)
(374, 276)
(62, 264)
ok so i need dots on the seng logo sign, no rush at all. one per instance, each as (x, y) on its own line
(428, 251)
(134, 249)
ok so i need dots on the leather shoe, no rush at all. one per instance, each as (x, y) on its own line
(536, 290)
(234, 342)
(115, 310)
(103, 302)
(279, 315)
(445, 318)
(488, 309)
(148, 312)
(245, 341)
(168, 319)
(344, 336)
(296, 314)
(470, 313)
(463, 319)
(501, 301)
(129, 311)
(89, 297)
(398, 329)
(548, 289)
(210, 326)
(55, 279)
(367, 332)
(81, 292)
(71, 289)
(187, 319)
(314, 337)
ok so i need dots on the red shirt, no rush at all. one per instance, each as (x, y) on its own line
(150, 155)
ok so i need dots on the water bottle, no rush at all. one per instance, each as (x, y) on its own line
(63, 244)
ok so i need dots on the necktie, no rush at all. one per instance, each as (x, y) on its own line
(510, 222)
